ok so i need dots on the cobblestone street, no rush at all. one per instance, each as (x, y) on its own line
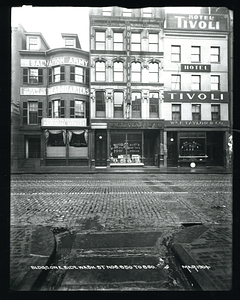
(115, 202)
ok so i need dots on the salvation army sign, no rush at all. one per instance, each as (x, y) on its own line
(197, 22)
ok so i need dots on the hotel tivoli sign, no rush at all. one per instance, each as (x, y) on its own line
(191, 96)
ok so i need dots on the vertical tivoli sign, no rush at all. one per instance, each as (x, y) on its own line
(128, 33)
(197, 22)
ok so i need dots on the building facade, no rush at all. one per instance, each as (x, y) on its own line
(52, 89)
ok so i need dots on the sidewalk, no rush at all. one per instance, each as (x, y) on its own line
(121, 170)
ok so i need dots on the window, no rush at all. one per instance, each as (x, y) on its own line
(106, 11)
(136, 72)
(127, 12)
(76, 74)
(215, 82)
(196, 112)
(175, 53)
(136, 104)
(153, 105)
(33, 43)
(118, 71)
(196, 82)
(77, 109)
(118, 104)
(118, 41)
(57, 107)
(100, 40)
(56, 74)
(77, 138)
(153, 42)
(32, 112)
(33, 76)
(215, 111)
(176, 82)
(147, 12)
(215, 55)
(136, 42)
(69, 43)
(176, 112)
(100, 71)
(100, 103)
(153, 72)
(195, 55)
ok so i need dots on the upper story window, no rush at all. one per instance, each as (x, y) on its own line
(100, 104)
(176, 112)
(33, 43)
(196, 82)
(33, 76)
(127, 12)
(118, 104)
(153, 72)
(153, 105)
(56, 74)
(56, 109)
(147, 12)
(215, 55)
(215, 82)
(76, 74)
(196, 112)
(100, 71)
(153, 42)
(106, 11)
(136, 104)
(136, 42)
(118, 41)
(176, 82)
(215, 112)
(32, 112)
(175, 53)
(70, 43)
(77, 109)
(118, 71)
(195, 54)
(100, 40)
(136, 72)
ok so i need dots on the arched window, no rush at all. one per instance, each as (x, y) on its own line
(153, 72)
(100, 71)
(136, 72)
(118, 71)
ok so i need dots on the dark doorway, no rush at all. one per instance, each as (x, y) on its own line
(34, 147)
(172, 151)
(215, 148)
(150, 147)
(101, 148)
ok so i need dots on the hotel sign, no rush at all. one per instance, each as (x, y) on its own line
(195, 68)
(68, 89)
(128, 44)
(197, 22)
(64, 122)
(55, 61)
(196, 97)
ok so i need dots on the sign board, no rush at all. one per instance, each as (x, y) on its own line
(68, 89)
(195, 68)
(191, 96)
(55, 61)
(128, 44)
(196, 123)
(136, 125)
(64, 122)
(32, 91)
(197, 22)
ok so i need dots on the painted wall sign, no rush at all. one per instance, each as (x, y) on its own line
(62, 60)
(136, 125)
(195, 68)
(64, 122)
(32, 91)
(197, 123)
(68, 89)
(196, 96)
(196, 22)
(128, 45)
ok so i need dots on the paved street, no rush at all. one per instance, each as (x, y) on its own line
(118, 202)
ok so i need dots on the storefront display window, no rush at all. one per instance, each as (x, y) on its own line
(192, 144)
(126, 148)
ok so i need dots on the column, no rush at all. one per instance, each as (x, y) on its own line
(108, 147)
(92, 138)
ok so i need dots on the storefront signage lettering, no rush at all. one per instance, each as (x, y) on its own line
(128, 44)
(63, 60)
(195, 68)
(196, 123)
(139, 125)
(32, 91)
(65, 89)
(196, 96)
(197, 22)
(64, 122)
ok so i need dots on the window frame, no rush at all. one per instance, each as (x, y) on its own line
(36, 45)
(34, 112)
(198, 55)
(117, 72)
(133, 43)
(154, 113)
(74, 75)
(176, 113)
(100, 72)
(117, 43)
(150, 44)
(134, 72)
(177, 53)
(195, 83)
(215, 83)
(126, 12)
(147, 12)
(151, 72)
(118, 109)
(215, 55)
(106, 11)
(213, 118)
(196, 115)
(176, 82)
(100, 42)
(100, 107)
(136, 106)
(26, 76)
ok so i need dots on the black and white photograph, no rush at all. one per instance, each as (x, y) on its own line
(121, 149)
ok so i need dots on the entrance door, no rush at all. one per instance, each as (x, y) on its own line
(34, 147)
(100, 148)
(149, 152)
(172, 151)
